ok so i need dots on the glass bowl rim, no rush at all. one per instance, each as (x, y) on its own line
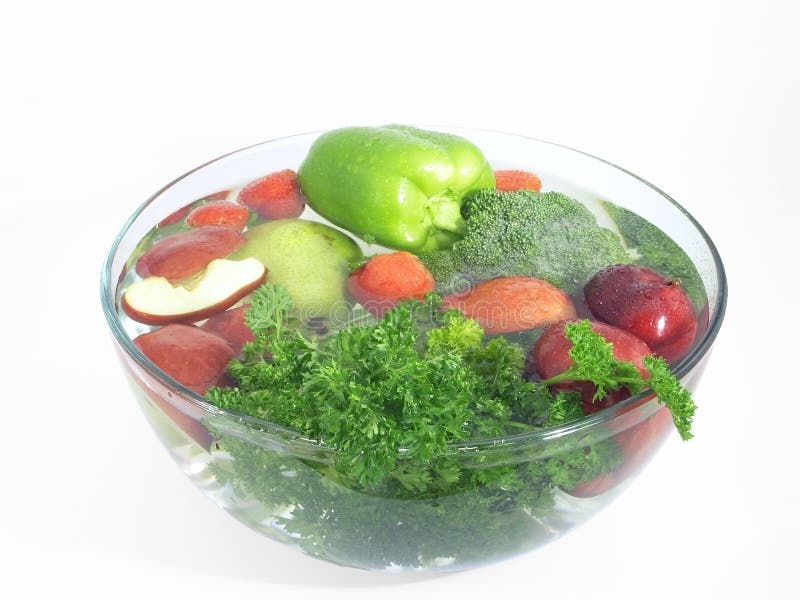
(572, 428)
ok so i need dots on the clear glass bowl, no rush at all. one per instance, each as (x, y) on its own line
(282, 485)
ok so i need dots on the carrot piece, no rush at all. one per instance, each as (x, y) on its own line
(512, 180)
(388, 278)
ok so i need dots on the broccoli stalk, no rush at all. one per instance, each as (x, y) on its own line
(545, 235)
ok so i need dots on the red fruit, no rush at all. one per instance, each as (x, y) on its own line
(155, 301)
(182, 255)
(219, 212)
(182, 412)
(646, 304)
(175, 217)
(220, 195)
(509, 304)
(191, 356)
(637, 445)
(230, 326)
(581, 309)
(276, 196)
(388, 278)
(512, 180)
(550, 357)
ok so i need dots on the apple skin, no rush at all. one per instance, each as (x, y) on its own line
(231, 327)
(643, 302)
(188, 354)
(550, 356)
(183, 255)
(154, 301)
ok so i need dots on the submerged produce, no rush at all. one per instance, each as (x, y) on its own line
(309, 259)
(368, 399)
(397, 185)
(545, 235)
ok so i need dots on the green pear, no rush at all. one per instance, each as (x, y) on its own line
(309, 259)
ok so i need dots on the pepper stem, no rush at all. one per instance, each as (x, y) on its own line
(445, 212)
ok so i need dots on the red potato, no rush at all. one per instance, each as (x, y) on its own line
(509, 304)
(276, 196)
(155, 301)
(185, 254)
(388, 278)
(188, 354)
(550, 357)
(219, 212)
(646, 304)
(230, 326)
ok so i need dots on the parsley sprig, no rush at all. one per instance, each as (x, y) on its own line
(593, 360)
(393, 396)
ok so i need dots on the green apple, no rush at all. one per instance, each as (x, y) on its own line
(309, 259)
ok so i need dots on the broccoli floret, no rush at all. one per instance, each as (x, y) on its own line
(545, 235)
(659, 252)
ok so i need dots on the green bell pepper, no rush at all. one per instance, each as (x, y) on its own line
(398, 186)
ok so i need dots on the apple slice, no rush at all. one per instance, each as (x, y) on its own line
(155, 301)
(188, 354)
(230, 325)
(183, 255)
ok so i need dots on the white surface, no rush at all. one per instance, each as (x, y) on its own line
(102, 105)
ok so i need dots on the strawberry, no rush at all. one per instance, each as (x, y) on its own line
(388, 278)
(219, 212)
(275, 196)
(513, 180)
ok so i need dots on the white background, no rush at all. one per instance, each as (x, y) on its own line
(103, 103)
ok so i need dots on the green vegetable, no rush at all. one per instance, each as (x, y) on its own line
(469, 514)
(391, 398)
(395, 185)
(411, 384)
(545, 235)
(659, 252)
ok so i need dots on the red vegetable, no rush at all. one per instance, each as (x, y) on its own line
(388, 278)
(276, 196)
